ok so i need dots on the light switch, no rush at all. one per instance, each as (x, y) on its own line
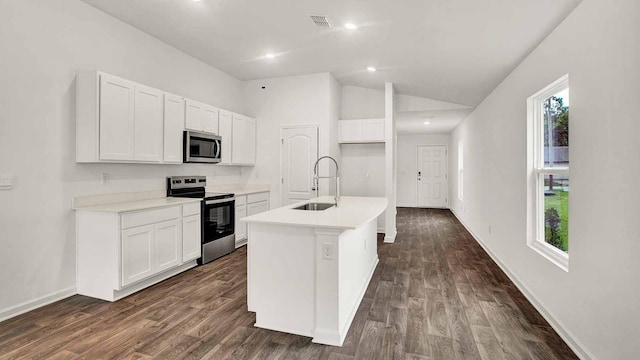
(6, 182)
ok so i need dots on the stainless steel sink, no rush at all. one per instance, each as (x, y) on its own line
(314, 206)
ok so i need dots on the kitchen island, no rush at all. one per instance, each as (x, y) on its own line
(307, 271)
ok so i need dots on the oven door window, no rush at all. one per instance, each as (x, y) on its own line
(218, 221)
(203, 148)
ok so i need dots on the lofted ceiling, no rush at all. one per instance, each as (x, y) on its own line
(450, 50)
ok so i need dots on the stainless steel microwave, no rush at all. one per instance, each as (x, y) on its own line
(201, 147)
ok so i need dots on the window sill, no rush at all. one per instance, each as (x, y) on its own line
(556, 256)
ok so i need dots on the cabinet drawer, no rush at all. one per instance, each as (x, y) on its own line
(253, 198)
(241, 200)
(150, 216)
(191, 209)
(257, 208)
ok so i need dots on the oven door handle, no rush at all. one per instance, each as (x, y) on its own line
(211, 202)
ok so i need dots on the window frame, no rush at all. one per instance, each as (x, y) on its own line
(537, 171)
(461, 170)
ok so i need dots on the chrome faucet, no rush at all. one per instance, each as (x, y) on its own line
(337, 177)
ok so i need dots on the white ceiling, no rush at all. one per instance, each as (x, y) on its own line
(449, 50)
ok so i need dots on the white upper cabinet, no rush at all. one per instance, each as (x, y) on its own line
(225, 131)
(373, 130)
(201, 117)
(148, 124)
(120, 121)
(116, 104)
(210, 119)
(361, 131)
(194, 118)
(173, 127)
(243, 145)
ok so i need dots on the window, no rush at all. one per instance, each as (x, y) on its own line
(460, 170)
(548, 172)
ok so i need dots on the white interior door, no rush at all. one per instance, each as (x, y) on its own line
(299, 154)
(433, 189)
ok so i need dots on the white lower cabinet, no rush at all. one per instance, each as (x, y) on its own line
(191, 242)
(257, 208)
(137, 253)
(247, 205)
(168, 245)
(241, 227)
(121, 253)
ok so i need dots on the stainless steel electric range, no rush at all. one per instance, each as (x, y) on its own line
(217, 211)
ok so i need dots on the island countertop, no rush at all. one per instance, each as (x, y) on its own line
(349, 214)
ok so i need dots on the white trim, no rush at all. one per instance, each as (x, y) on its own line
(448, 182)
(294, 126)
(578, 348)
(535, 178)
(461, 170)
(390, 237)
(41, 301)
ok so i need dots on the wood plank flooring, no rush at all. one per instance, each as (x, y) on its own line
(435, 295)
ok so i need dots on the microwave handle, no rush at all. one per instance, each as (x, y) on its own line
(218, 148)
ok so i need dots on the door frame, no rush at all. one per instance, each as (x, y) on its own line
(293, 126)
(446, 146)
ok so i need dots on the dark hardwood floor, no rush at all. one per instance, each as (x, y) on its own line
(435, 295)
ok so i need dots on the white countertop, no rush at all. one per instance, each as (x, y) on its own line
(138, 205)
(351, 213)
(239, 189)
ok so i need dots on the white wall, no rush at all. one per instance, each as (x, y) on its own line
(361, 103)
(408, 164)
(595, 304)
(45, 44)
(294, 100)
(363, 172)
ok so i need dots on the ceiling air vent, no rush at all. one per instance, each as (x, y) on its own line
(322, 21)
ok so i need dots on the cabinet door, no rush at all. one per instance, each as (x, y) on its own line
(168, 245)
(373, 130)
(137, 253)
(210, 119)
(147, 124)
(225, 131)
(194, 116)
(244, 140)
(116, 118)
(349, 131)
(250, 141)
(191, 238)
(241, 226)
(173, 126)
(237, 145)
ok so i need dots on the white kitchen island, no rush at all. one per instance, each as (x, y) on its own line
(308, 270)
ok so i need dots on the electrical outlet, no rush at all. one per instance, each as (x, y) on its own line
(104, 177)
(6, 182)
(489, 229)
(327, 251)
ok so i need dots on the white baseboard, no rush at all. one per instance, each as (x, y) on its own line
(575, 345)
(36, 303)
(390, 238)
(420, 207)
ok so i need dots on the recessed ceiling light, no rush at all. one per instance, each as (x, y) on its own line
(196, 0)
(270, 56)
(371, 69)
(350, 26)
(427, 123)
